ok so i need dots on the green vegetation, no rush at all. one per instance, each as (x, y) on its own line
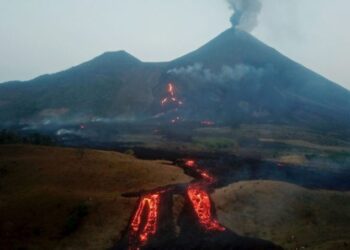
(215, 143)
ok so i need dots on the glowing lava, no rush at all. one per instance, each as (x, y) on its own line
(206, 176)
(171, 98)
(200, 199)
(171, 89)
(172, 103)
(145, 220)
(201, 204)
(190, 163)
(144, 223)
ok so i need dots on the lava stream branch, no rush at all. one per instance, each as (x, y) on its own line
(205, 175)
(200, 199)
(171, 97)
(144, 223)
(201, 204)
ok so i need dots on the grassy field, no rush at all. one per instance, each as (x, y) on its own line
(285, 214)
(61, 198)
(282, 143)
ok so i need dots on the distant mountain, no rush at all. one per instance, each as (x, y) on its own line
(233, 78)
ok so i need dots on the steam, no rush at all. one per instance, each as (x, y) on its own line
(226, 74)
(245, 16)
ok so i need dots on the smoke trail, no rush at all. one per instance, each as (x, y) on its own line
(245, 16)
(198, 72)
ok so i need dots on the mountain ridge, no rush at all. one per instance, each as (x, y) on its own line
(232, 78)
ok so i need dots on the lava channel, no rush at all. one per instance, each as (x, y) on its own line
(171, 98)
(145, 221)
(205, 175)
(201, 204)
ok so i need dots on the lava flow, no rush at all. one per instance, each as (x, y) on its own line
(145, 221)
(200, 172)
(141, 229)
(171, 98)
(200, 199)
(190, 163)
(201, 204)
(206, 176)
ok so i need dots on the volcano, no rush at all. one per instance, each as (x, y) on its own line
(233, 78)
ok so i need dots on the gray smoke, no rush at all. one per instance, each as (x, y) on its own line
(226, 74)
(245, 16)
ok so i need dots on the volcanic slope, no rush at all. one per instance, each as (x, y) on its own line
(237, 77)
(233, 78)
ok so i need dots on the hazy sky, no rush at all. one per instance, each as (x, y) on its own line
(45, 36)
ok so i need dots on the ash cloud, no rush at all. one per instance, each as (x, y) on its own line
(225, 74)
(246, 12)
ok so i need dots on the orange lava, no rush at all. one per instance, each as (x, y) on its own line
(171, 89)
(206, 176)
(190, 163)
(202, 206)
(144, 223)
(203, 173)
(171, 98)
(141, 229)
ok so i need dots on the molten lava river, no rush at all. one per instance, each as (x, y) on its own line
(139, 234)
(145, 221)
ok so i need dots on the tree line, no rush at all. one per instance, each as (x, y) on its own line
(10, 137)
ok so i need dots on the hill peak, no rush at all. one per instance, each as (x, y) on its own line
(231, 47)
(116, 56)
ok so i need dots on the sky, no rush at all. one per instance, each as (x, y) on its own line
(47, 36)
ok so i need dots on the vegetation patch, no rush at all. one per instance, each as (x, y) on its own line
(215, 143)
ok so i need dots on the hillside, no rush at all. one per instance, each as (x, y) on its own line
(102, 87)
(237, 77)
(61, 198)
(233, 78)
(288, 215)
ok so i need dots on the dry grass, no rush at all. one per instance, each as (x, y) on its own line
(292, 159)
(288, 215)
(41, 186)
(306, 144)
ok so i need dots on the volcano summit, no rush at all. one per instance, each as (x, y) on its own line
(233, 78)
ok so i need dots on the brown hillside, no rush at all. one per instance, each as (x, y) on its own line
(285, 214)
(58, 198)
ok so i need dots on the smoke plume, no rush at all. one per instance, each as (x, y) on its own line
(198, 72)
(245, 16)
